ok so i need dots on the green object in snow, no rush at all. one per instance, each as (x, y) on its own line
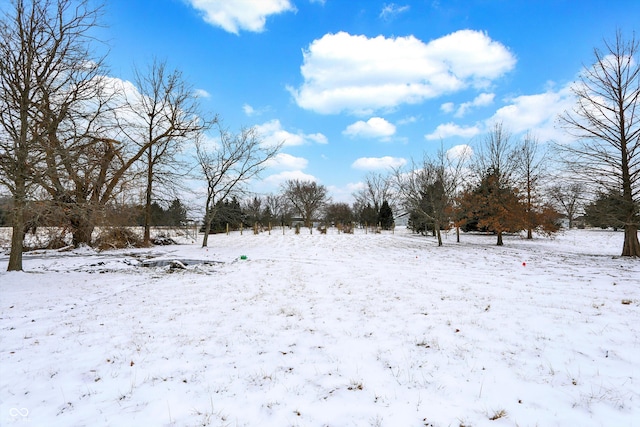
(243, 257)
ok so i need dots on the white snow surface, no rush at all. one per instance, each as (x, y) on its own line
(326, 330)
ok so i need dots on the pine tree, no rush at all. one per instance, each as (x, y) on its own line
(385, 216)
(176, 214)
(608, 210)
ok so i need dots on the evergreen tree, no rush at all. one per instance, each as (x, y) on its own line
(226, 213)
(608, 210)
(176, 214)
(267, 216)
(385, 216)
(158, 215)
(253, 212)
(369, 215)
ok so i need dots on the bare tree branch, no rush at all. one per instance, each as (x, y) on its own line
(605, 119)
(228, 163)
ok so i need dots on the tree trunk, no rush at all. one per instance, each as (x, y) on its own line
(208, 219)
(457, 234)
(207, 230)
(439, 235)
(499, 243)
(529, 233)
(147, 206)
(631, 246)
(17, 237)
(82, 232)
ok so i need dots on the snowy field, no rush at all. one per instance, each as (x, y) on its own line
(326, 330)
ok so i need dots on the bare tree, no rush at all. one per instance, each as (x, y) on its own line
(45, 60)
(494, 202)
(277, 205)
(377, 188)
(338, 214)
(606, 118)
(163, 115)
(530, 168)
(307, 198)
(427, 190)
(569, 199)
(252, 210)
(228, 163)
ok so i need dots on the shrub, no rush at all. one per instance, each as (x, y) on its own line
(118, 238)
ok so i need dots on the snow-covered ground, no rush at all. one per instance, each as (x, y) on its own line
(326, 330)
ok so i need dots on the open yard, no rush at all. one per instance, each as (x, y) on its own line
(325, 330)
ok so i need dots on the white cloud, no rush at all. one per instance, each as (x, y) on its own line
(375, 127)
(407, 120)
(282, 177)
(481, 100)
(462, 152)
(318, 138)
(375, 163)
(201, 93)
(248, 110)
(273, 134)
(537, 113)
(344, 72)
(448, 130)
(390, 11)
(287, 161)
(236, 15)
(344, 194)
(448, 107)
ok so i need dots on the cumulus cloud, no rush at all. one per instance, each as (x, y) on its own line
(537, 113)
(344, 194)
(281, 177)
(272, 134)
(481, 100)
(361, 75)
(375, 163)
(287, 161)
(233, 16)
(447, 130)
(318, 138)
(448, 107)
(375, 127)
(461, 152)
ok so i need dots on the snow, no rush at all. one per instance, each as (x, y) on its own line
(326, 330)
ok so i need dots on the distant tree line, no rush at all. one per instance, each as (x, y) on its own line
(300, 202)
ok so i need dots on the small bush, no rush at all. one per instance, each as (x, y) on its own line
(118, 238)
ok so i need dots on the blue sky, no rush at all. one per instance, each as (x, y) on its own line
(358, 86)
